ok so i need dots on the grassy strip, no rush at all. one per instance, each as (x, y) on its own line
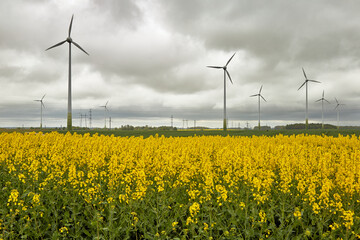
(190, 133)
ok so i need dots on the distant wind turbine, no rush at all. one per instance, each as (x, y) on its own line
(338, 111)
(225, 73)
(41, 108)
(322, 108)
(306, 83)
(106, 110)
(70, 41)
(259, 96)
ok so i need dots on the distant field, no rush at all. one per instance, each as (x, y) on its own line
(187, 133)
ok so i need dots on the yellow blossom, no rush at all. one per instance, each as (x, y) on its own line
(297, 213)
(206, 226)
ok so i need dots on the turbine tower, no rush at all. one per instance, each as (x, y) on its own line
(306, 83)
(225, 73)
(70, 41)
(259, 96)
(338, 111)
(322, 108)
(41, 108)
(106, 110)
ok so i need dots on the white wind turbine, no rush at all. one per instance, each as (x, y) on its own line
(322, 108)
(106, 110)
(70, 41)
(306, 83)
(41, 109)
(338, 111)
(225, 73)
(259, 96)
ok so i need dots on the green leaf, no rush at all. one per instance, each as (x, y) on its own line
(86, 232)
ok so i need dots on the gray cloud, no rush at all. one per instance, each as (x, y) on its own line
(283, 34)
(149, 58)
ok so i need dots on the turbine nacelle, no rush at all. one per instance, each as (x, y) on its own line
(338, 104)
(41, 101)
(225, 67)
(69, 40)
(307, 80)
(105, 106)
(259, 94)
(322, 99)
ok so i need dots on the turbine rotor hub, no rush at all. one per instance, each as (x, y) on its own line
(69, 40)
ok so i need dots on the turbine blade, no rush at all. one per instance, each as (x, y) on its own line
(304, 73)
(323, 94)
(213, 67)
(58, 44)
(313, 81)
(230, 59)
(301, 85)
(106, 103)
(42, 104)
(71, 24)
(336, 101)
(319, 100)
(229, 76)
(79, 47)
(43, 97)
(326, 100)
(260, 89)
(263, 98)
(254, 95)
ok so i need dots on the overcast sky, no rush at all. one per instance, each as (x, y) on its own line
(149, 58)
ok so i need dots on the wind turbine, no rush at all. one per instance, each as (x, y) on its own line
(338, 111)
(225, 73)
(41, 107)
(106, 110)
(259, 96)
(322, 108)
(70, 41)
(306, 83)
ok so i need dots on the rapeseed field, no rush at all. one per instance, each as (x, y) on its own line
(56, 186)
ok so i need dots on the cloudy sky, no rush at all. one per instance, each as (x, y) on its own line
(149, 58)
